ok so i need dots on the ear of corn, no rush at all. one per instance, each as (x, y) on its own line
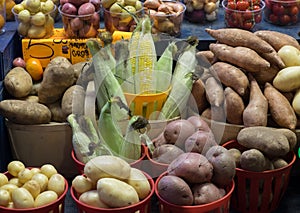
(142, 56)
(182, 82)
(164, 67)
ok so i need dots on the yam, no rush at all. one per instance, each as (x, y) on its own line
(197, 100)
(256, 112)
(18, 82)
(24, 112)
(231, 76)
(277, 39)
(243, 57)
(234, 106)
(209, 55)
(214, 92)
(280, 108)
(266, 139)
(239, 37)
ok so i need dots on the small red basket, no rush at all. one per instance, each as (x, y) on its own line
(219, 206)
(55, 207)
(136, 164)
(144, 206)
(259, 192)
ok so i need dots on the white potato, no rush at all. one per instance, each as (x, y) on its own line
(139, 182)
(290, 55)
(42, 180)
(33, 187)
(45, 198)
(116, 193)
(91, 198)
(14, 167)
(22, 198)
(5, 197)
(81, 184)
(9, 187)
(48, 170)
(3, 179)
(57, 184)
(25, 175)
(15, 181)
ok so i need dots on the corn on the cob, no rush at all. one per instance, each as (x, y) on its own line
(142, 55)
(182, 82)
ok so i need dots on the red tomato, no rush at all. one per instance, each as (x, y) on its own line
(285, 19)
(242, 5)
(278, 9)
(247, 15)
(294, 10)
(294, 19)
(256, 7)
(258, 18)
(247, 25)
(273, 18)
(231, 5)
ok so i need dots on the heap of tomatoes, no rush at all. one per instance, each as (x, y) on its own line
(243, 14)
(282, 12)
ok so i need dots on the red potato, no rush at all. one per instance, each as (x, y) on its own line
(159, 140)
(77, 3)
(200, 142)
(69, 9)
(86, 9)
(176, 132)
(199, 123)
(96, 3)
(166, 153)
(192, 167)
(206, 193)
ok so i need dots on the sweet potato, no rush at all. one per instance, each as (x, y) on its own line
(266, 75)
(239, 37)
(274, 59)
(256, 112)
(277, 39)
(18, 82)
(280, 108)
(25, 112)
(231, 76)
(209, 55)
(266, 139)
(234, 106)
(214, 92)
(197, 100)
(215, 113)
(243, 57)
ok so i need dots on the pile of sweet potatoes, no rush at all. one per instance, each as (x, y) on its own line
(238, 87)
(50, 99)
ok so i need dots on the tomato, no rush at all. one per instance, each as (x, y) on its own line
(258, 18)
(231, 5)
(278, 9)
(294, 19)
(247, 25)
(285, 19)
(293, 10)
(273, 18)
(242, 5)
(247, 14)
(256, 7)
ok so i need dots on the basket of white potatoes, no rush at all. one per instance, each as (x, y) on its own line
(30, 189)
(110, 184)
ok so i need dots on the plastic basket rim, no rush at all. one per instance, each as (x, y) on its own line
(290, 164)
(226, 196)
(59, 200)
(146, 199)
(75, 16)
(50, 12)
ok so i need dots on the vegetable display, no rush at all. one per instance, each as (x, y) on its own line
(23, 188)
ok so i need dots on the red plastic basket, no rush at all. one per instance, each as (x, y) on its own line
(136, 164)
(55, 207)
(144, 206)
(219, 206)
(259, 192)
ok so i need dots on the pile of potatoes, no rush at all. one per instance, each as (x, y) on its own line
(263, 148)
(110, 182)
(244, 84)
(23, 188)
(47, 100)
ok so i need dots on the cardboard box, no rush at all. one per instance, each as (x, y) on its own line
(75, 50)
(10, 48)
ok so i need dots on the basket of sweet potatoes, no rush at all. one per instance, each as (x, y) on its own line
(257, 81)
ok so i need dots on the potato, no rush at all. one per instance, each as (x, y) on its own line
(214, 92)
(14, 167)
(177, 131)
(159, 140)
(139, 182)
(45, 198)
(25, 175)
(86, 9)
(107, 166)
(48, 170)
(199, 123)
(22, 198)
(3, 179)
(192, 167)
(290, 55)
(279, 163)
(223, 165)
(57, 184)
(69, 9)
(116, 193)
(290, 135)
(91, 198)
(42, 180)
(18, 82)
(166, 153)
(9, 187)
(253, 160)
(234, 106)
(267, 140)
(206, 193)
(69, 104)
(33, 187)
(4, 197)
(81, 184)
(57, 113)
(236, 154)
(200, 142)
(24, 112)
(175, 190)
(197, 98)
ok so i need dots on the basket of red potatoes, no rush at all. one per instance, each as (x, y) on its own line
(81, 18)
(32, 189)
